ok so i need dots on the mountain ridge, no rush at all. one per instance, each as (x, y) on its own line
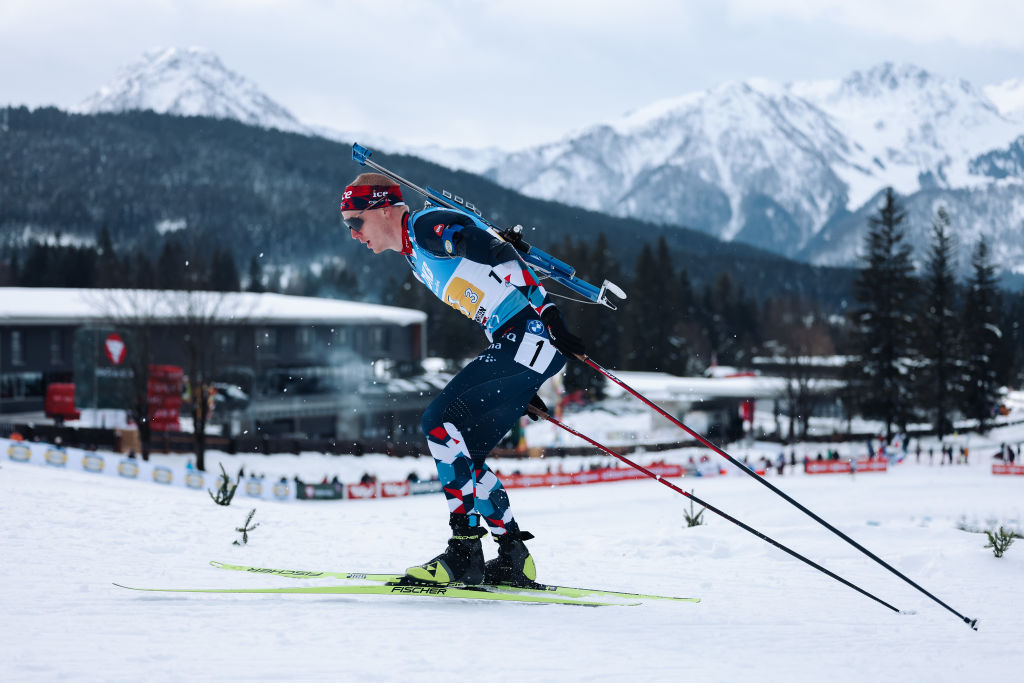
(781, 166)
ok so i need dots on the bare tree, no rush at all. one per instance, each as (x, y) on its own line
(201, 314)
(136, 313)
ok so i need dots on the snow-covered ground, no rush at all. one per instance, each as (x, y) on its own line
(764, 616)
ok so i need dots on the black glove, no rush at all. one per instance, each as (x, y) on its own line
(537, 403)
(565, 341)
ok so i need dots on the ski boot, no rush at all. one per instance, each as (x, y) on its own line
(461, 562)
(514, 565)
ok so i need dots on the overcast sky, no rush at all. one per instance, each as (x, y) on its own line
(497, 72)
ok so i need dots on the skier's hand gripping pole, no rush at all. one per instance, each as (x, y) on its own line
(561, 338)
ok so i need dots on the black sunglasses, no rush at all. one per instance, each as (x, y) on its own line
(355, 223)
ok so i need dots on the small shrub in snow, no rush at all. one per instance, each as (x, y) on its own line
(1000, 540)
(227, 490)
(245, 528)
(692, 518)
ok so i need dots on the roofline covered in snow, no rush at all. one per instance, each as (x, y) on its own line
(48, 306)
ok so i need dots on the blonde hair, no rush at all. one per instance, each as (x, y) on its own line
(372, 179)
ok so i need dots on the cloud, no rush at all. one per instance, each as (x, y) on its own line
(976, 24)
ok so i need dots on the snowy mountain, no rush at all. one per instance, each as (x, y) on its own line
(1008, 96)
(190, 82)
(793, 168)
(786, 166)
(194, 82)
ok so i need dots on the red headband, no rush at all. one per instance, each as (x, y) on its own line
(358, 197)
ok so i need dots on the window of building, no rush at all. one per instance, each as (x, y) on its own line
(305, 338)
(56, 350)
(340, 336)
(380, 338)
(227, 341)
(17, 352)
(266, 340)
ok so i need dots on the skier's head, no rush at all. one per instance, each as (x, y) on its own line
(372, 210)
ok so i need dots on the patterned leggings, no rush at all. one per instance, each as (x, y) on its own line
(477, 408)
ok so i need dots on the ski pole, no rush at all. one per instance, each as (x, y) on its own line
(708, 506)
(967, 620)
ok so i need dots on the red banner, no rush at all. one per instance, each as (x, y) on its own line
(360, 490)
(1006, 468)
(164, 397)
(394, 489)
(843, 466)
(60, 401)
(513, 481)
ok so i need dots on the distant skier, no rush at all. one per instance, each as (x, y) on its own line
(485, 279)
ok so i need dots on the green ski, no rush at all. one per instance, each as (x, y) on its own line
(570, 592)
(462, 592)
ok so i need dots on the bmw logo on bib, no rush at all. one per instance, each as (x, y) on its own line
(536, 327)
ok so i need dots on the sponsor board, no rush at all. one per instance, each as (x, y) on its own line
(320, 492)
(418, 488)
(19, 453)
(163, 475)
(193, 480)
(394, 489)
(56, 457)
(843, 466)
(128, 468)
(282, 491)
(360, 491)
(1006, 468)
(254, 488)
(587, 477)
(93, 463)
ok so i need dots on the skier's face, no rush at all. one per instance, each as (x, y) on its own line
(375, 229)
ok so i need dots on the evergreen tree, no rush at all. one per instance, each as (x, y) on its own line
(140, 271)
(1013, 339)
(885, 290)
(223, 274)
(109, 270)
(982, 338)
(36, 271)
(691, 350)
(598, 326)
(255, 275)
(939, 339)
(170, 267)
(647, 340)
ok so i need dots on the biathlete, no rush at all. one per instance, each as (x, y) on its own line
(485, 279)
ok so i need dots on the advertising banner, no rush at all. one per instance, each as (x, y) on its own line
(418, 488)
(843, 466)
(1006, 468)
(360, 491)
(103, 368)
(588, 476)
(320, 492)
(164, 397)
(394, 489)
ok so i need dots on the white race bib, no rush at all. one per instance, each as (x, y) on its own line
(535, 352)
